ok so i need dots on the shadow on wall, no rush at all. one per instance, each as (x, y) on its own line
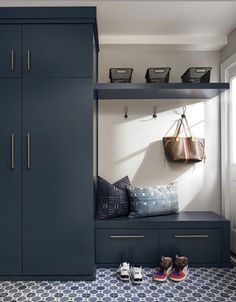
(156, 170)
(195, 204)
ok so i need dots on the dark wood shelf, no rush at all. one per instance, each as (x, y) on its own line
(115, 91)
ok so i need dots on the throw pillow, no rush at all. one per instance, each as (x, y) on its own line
(153, 201)
(112, 199)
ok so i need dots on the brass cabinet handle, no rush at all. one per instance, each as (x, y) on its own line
(28, 60)
(12, 60)
(28, 147)
(12, 151)
(127, 236)
(191, 236)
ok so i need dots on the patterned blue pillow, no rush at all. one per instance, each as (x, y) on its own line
(153, 201)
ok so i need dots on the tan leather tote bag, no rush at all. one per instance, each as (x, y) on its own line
(184, 149)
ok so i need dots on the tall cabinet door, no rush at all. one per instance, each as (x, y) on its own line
(58, 177)
(10, 50)
(10, 181)
(57, 50)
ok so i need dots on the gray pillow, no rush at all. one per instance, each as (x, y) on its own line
(153, 201)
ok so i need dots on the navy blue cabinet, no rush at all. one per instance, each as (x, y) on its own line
(58, 177)
(138, 246)
(193, 242)
(10, 180)
(10, 50)
(58, 50)
(47, 143)
(204, 237)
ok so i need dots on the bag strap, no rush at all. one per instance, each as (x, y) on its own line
(178, 127)
(183, 120)
(187, 124)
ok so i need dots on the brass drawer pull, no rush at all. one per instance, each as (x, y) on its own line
(191, 236)
(127, 236)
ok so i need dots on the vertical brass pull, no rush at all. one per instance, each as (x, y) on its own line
(13, 151)
(12, 60)
(28, 60)
(28, 147)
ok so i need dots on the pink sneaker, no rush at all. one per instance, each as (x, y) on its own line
(180, 271)
(162, 273)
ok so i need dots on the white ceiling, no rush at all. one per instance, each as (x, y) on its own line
(166, 18)
(196, 24)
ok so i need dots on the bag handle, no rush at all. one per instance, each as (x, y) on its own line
(183, 120)
(178, 127)
(188, 127)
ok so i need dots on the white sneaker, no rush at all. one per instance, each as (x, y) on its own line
(123, 271)
(136, 274)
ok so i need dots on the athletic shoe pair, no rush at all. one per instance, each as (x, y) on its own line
(127, 273)
(177, 273)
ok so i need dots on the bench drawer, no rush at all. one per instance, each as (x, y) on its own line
(137, 246)
(199, 245)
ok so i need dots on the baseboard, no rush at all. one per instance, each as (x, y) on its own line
(233, 241)
(115, 265)
(153, 265)
(51, 278)
(233, 258)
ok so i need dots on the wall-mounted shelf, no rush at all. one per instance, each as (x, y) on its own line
(113, 91)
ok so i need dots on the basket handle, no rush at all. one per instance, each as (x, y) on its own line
(121, 71)
(200, 70)
(159, 70)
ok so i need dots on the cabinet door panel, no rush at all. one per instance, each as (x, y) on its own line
(137, 246)
(57, 50)
(58, 186)
(10, 50)
(199, 245)
(10, 172)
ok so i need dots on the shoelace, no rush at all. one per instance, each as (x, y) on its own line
(162, 268)
(137, 272)
(124, 270)
(179, 268)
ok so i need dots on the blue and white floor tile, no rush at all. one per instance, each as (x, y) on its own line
(201, 285)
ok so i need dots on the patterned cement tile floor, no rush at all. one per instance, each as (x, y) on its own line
(201, 285)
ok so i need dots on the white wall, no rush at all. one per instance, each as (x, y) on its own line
(230, 48)
(134, 146)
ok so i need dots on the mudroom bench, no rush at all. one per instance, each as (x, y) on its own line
(201, 236)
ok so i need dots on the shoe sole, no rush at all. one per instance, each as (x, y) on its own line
(168, 272)
(124, 279)
(127, 279)
(136, 282)
(159, 280)
(179, 280)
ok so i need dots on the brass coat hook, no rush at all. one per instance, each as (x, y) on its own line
(181, 114)
(126, 109)
(154, 112)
